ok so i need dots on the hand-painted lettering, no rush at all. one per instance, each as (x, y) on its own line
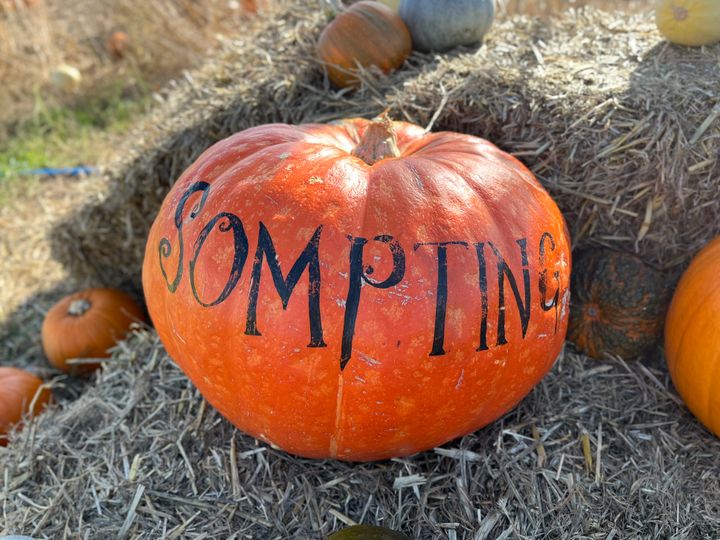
(165, 247)
(484, 302)
(441, 296)
(543, 279)
(240, 253)
(359, 273)
(504, 272)
(308, 259)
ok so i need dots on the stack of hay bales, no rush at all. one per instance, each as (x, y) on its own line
(623, 130)
(621, 127)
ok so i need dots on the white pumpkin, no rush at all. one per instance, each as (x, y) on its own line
(689, 22)
(392, 4)
(65, 78)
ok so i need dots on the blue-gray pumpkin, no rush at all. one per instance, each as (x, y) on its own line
(439, 25)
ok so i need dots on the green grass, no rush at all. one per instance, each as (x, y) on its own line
(57, 136)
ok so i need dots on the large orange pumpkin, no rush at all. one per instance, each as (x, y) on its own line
(360, 290)
(86, 324)
(21, 393)
(366, 34)
(692, 334)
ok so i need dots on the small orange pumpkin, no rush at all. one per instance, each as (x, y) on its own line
(117, 44)
(692, 335)
(20, 393)
(85, 325)
(366, 34)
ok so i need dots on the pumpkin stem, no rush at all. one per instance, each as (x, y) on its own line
(378, 142)
(78, 307)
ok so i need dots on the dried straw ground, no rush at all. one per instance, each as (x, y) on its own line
(553, 7)
(622, 128)
(597, 450)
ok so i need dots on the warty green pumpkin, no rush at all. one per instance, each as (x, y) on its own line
(617, 306)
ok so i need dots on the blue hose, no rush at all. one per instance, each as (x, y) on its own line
(59, 171)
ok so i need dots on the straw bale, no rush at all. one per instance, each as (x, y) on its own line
(597, 450)
(621, 127)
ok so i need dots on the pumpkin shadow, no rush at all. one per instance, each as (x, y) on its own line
(662, 223)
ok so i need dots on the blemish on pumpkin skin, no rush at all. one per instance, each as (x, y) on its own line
(304, 233)
(368, 359)
(405, 406)
(565, 303)
(335, 436)
(528, 370)
(459, 382)
(680, 13)
(283, 215)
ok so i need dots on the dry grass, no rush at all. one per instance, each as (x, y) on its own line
(166, 36)
(553, 7)
(30, 211)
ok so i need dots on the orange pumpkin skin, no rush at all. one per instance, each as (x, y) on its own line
(692, 334)
(20, 394)
(85, 325)
(388, 344)
(367, 33)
